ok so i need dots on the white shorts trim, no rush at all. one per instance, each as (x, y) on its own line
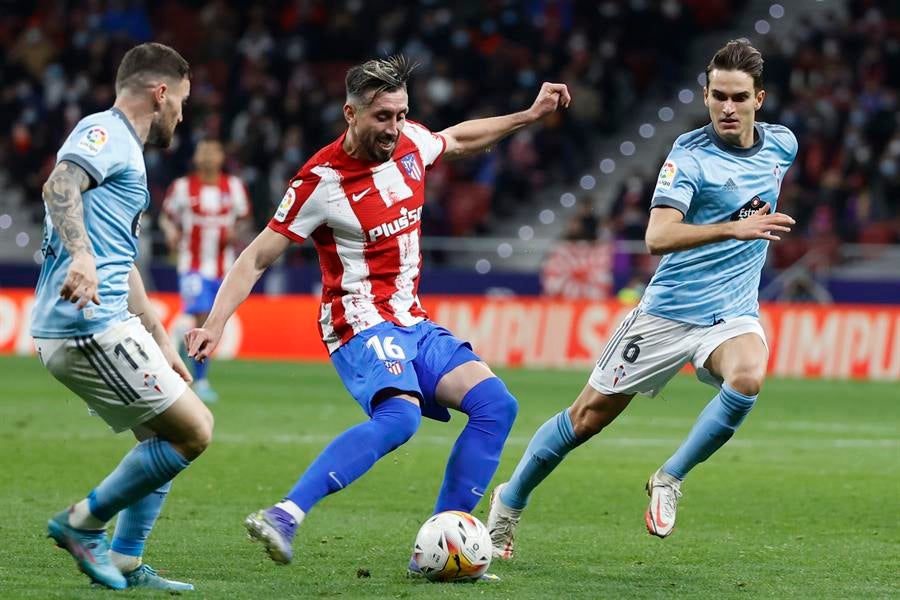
(120, 373)
(646, 351)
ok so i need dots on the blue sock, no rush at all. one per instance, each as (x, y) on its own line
(352, 453)
(715, 426)
(135, 522)
(550, 444)
(476, 453)
(150, 464)
(200, 368)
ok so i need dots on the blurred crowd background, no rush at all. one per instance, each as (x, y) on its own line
(267, 79)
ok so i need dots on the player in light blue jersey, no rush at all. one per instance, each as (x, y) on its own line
(712, 217)
(95, 330)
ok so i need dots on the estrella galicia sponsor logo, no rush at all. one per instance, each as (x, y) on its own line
(750, 208)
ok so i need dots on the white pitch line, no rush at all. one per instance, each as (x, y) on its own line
(792, 425)
(521, 441)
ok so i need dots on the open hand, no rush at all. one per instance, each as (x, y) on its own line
(762, 225)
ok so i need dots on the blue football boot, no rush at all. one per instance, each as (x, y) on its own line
(90, 549)
(146, 576)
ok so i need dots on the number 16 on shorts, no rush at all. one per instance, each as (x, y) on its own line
(386, 350)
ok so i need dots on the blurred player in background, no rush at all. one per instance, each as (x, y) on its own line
(94, 327)
(360, 199)
(712, 217)
(203, 215)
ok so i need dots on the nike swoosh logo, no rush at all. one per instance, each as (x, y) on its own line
(477, 492)
(358, 197)
(659, 519)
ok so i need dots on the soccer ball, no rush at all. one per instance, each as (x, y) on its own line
(453, 546)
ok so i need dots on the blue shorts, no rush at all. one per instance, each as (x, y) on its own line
(197, 292)
(388, 359)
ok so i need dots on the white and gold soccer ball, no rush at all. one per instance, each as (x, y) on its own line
(453, 546)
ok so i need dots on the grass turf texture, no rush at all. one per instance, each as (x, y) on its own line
(802, 503)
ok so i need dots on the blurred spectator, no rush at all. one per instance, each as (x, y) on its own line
(269, 81)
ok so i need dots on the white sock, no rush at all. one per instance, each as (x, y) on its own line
(667, 478)
(292, 509)
(80, 517)
(125, 563)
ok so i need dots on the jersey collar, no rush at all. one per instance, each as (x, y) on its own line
(736, 150)
(128, 124)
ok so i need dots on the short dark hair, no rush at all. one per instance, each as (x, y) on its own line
(150, 60)
(379, 75)
(738, 55)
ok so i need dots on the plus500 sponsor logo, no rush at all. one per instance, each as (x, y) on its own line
(405, 220)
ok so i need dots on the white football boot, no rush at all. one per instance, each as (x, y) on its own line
(664, 491)
(501, 524)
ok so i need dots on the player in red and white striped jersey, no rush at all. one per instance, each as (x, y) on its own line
(360, 199)
(201, 215)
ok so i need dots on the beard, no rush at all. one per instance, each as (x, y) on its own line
(160, 135)
(377, 153)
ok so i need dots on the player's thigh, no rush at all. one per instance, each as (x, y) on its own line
(455, 384)
(643, 354)
(447, 367)
(594, 410)
(741, 361)
(186, 423)
(120, 373)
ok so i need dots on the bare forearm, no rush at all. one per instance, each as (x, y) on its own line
(65, 206)
(237, 285)
(675, 236)
(139, 304)
(479, 134)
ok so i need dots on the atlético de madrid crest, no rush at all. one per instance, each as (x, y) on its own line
(393, 366)
(411, 165)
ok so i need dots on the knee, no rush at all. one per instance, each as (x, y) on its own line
(199, 437)
(491, 401)
(505, 408)
(401, 419)
(746, 382)
(587, 420)
(592, 411)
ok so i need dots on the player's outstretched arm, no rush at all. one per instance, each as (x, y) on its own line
(470, 137)
(238, 283)
(666, 233)
(139, 305)
(62, 195)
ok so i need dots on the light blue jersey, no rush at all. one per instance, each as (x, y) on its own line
(108, 148)
(711, 181)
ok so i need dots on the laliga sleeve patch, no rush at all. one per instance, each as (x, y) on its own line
(93, 140)
(667, 175)
(286, 203)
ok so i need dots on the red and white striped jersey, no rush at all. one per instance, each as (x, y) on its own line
(365, 220)
(206, 214)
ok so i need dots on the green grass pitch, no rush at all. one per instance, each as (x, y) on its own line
(801, 503)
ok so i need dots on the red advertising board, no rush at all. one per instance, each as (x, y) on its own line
(839, 341)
